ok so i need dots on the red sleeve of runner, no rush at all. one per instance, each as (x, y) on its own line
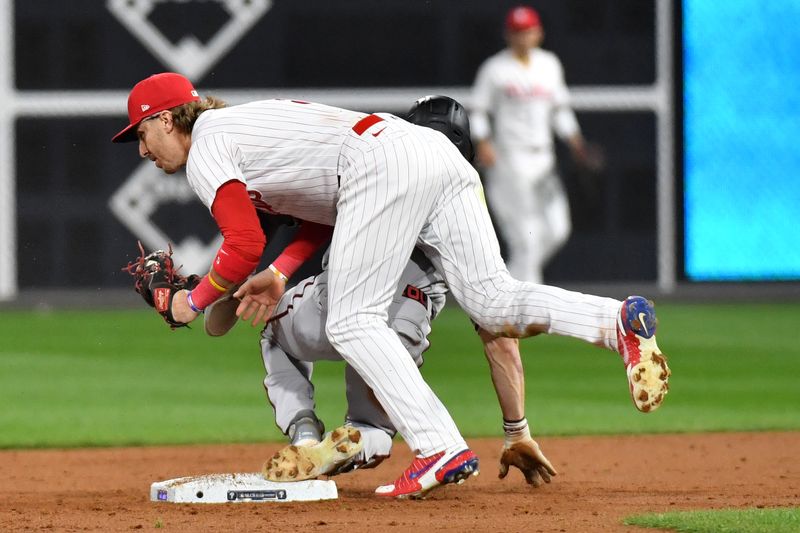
(238, 222)
(308, 239)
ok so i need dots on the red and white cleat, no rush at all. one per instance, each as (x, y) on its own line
(646, 366)
(427, 473)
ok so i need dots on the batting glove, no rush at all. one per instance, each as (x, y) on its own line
(521, 451)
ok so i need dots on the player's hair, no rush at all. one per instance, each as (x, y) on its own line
(184, 116)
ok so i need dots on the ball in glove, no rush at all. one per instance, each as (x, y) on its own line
(157, 281)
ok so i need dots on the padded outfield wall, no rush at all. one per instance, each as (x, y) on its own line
(67, 193)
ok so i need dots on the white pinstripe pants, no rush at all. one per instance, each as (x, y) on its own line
(531, 209)
(409, 185)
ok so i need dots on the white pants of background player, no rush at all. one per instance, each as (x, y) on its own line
(530, 207)
(404, 185)
(295, 339)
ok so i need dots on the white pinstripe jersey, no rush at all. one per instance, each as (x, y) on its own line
(419, 272)
(527, 102)
(286, 152)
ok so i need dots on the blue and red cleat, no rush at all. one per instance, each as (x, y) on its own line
(646, 366)
(427, 473)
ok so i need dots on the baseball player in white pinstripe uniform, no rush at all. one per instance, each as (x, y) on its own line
(294, 339)
(522, 89)
(385, 185)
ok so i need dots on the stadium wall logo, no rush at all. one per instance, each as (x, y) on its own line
(189, 56)
(137, 200)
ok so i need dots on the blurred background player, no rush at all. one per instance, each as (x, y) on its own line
(522, 90)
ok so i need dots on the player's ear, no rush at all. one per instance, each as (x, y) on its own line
(166, 120)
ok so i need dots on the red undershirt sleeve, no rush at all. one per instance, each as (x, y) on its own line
(306, 242)
(242, 245)
(238, 222)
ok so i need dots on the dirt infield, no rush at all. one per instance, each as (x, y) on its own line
(600, 481)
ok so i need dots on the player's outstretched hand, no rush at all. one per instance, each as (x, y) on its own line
(521, 451)
(259, 295)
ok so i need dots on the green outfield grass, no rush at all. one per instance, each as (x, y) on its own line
(121, 377)
(727, 521)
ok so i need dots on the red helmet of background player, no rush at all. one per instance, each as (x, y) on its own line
(153, 95)
(522, 18)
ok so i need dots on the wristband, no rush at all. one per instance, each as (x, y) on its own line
(278, 273)
(516, 430)
(205, 293)
(191, 303)
(216, 285)
(514, 425)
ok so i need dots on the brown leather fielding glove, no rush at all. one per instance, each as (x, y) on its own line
(157, 280)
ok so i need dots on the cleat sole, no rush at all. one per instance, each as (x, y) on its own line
(299, 463)
(649, 379)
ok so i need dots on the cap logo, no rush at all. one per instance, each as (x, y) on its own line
(194, 93)
(145, 107)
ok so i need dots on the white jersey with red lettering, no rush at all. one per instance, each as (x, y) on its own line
(527, 102)
(399, 185)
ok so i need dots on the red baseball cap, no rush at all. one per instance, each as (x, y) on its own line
(522, 18)
(152, 95)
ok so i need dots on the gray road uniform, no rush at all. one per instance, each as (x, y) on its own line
(295, 337)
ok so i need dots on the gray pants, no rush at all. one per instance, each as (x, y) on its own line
(295, 338)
